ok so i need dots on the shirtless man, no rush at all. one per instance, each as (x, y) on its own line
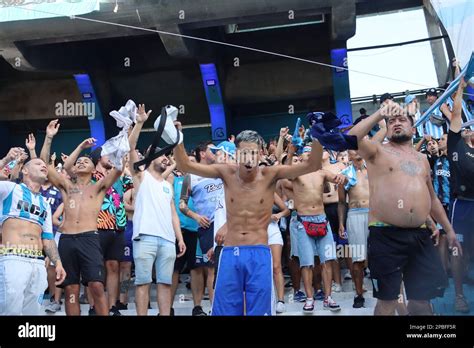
(308, 192)
(357, 224)
(245, 261)
(79, 245)
(401, 200)
(27, 237)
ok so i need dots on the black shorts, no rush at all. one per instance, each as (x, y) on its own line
(332, 216)
(206, 241)
(189, 257)
(112, 243)
(407, 254)
(82, 258)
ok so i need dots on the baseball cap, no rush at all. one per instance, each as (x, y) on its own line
(409, 98)
(432, 91)
(385, 96)
(306, 149)
(226, 146)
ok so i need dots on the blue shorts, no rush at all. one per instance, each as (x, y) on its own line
(149, 250)
(462, 220)
(309, 247)
(244, 269)
(128, 248)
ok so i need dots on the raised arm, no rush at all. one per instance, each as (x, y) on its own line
(456, 120)
(185, 165)
(313, 164)
(30, 144)
(281, 141)
(426, 138)
(368, 148)
(13, 154)
(142, 117)
(51, 131)
(380, 135)
(72, 158)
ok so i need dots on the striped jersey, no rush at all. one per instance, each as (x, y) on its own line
(17, 201)
(441, 177)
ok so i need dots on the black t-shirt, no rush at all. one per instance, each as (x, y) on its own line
(461, 163)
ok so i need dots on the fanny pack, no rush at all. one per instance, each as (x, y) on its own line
(314, 229)
(437, 120)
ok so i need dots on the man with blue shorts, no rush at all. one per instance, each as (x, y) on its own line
(244, 279)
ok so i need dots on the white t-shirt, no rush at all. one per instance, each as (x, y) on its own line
(152, 214)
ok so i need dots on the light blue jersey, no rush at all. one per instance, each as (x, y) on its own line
(18, 202)
(206, 193)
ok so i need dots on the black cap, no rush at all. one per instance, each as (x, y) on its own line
(432, 91)
(385, 96)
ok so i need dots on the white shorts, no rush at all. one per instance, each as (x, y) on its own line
(274, 234)
(357, 226)
(23, 281)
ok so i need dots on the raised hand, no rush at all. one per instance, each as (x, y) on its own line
(14, 153)
(142, 115)
(30, 142)
(88, 143)
(52, 128)
(284, 131)
(64, 157)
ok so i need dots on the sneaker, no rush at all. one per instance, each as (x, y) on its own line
(114, 312)
(92, 311)
(52, 307)
(83, 299)
(121, 306)
(289, 284)
(198, 312)
(319, 295)
(330, 304)
(336, 287)
(299, 296)
(461, 304)
(347, 276)
(280, 307)
(308, 306)
(359, 301)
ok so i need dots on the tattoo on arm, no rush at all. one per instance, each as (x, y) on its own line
(51, 250)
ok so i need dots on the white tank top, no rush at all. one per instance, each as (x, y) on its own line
(153, 209)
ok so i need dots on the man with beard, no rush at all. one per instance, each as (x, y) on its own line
(401, 200)
(156, 227)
